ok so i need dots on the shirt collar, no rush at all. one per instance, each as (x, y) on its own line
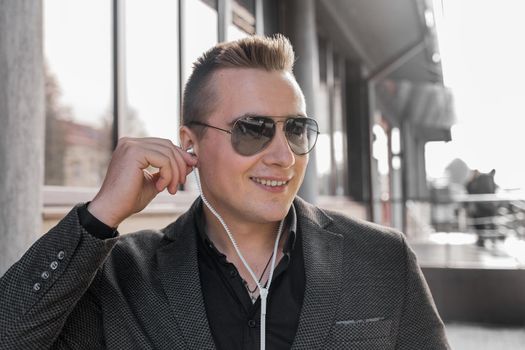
(290, 223)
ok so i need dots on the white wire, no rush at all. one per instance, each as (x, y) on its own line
(263, 292)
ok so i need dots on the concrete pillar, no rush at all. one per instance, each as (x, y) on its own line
(414, 172)
(298, 21)
(21, 127)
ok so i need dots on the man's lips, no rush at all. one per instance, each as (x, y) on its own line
(271, 181)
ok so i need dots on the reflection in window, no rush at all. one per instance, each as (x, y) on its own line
(77, 45)
(243, 15)
(243, 19)
(152, 69)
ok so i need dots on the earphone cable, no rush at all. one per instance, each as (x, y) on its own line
(263, 291)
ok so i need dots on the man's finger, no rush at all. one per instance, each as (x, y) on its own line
(180, 156)
(184, 161)
(161, 161)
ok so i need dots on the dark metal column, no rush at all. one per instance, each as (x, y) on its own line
(119, 70)
(359, 136)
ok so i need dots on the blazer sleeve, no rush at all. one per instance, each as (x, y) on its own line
(41, 290)
(420, 326)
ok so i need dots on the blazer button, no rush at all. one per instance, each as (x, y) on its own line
(36, 287)
(252, 323)
(53, 265)
(45, 275)
(61, 254)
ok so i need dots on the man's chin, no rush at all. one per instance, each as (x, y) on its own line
(272, 212)
(256, 209)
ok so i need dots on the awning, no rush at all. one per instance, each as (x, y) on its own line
(396, 43)
(393, 39)
(428, 107)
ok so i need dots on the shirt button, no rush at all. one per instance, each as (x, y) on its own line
(233, 273)
(45, 275)
(252, 323)
(53, 265)
(61, 254)
(36, 287)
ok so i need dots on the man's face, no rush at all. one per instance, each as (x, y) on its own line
(232, 182)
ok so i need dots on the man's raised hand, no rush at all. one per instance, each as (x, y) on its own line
(128, 187)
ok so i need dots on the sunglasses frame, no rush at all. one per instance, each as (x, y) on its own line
(275, 123)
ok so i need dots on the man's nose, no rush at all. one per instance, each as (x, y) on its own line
(278, 151)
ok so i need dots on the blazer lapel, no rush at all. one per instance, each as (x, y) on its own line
(323, 264)
(179, 271)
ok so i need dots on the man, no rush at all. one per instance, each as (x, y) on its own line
(201, 282)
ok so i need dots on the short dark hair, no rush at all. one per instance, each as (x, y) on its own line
(269, 53)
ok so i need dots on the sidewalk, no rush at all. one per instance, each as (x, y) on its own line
(458, 250)
(477, 337)
(471, 282)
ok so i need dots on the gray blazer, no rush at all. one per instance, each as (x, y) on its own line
(364, 290)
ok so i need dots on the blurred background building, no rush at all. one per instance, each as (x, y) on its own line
(77, 75)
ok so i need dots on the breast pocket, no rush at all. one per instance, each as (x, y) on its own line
(371, 334)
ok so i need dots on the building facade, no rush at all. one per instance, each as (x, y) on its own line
(95, 71)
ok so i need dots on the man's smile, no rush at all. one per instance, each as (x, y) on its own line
(271, 182)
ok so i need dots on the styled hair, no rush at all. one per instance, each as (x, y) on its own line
(269, 53)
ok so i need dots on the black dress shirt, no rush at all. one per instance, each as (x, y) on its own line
(233, 319)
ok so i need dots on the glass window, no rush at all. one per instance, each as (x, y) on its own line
(323, 147)
(200, 31)
(211, 3)
(339, 136)
(77, 44)
(235, 33)
(323, 71)
(330, 103)
(381, 172)
(152, 69)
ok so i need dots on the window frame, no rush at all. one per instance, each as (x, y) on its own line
(57, 199)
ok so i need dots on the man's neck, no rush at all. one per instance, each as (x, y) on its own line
(255, 240)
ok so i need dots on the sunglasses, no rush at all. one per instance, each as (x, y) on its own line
(251, 134)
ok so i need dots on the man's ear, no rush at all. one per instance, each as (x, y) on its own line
(188, 139)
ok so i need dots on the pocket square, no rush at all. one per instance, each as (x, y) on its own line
(361, 329)
(366, 320)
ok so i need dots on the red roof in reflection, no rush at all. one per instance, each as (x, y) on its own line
(84, 135)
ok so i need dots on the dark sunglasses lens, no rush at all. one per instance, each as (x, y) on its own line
(301, 134)
(250, 135)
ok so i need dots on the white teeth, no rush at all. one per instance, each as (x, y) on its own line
(271, 183)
